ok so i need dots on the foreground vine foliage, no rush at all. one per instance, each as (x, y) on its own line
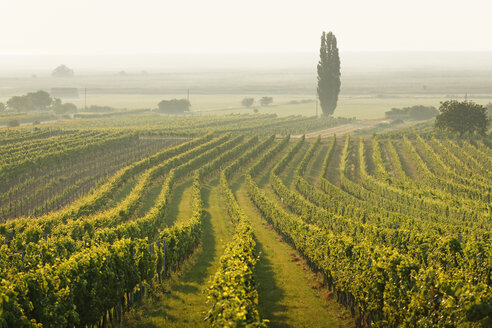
(398, 224)
(232, 290)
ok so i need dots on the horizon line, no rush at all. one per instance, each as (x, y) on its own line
(252, 52)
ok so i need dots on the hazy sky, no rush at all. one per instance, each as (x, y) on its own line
(178, 26)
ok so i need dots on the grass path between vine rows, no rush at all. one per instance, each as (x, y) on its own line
(184, 304)
(315, 165)
(179, 209)
(289, 293)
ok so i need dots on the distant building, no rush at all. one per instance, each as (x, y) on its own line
(65, 93)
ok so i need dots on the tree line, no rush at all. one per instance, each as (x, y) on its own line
(37, 101)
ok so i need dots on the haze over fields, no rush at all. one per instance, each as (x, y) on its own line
(372, 82)
(132, 56)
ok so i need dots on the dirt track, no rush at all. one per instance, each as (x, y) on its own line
(343, 129)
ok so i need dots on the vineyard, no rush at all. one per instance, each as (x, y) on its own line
(396, 225)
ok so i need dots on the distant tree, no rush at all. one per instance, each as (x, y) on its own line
(415, 113)
(62, 71)
(422, 112)
(39, 100)
(302, 101)
(13, 123)
(19, 103)
(328, 74)
(265, 101)
(248, 102)
(2, 107)
(174, 106)
(59, 108)
(255, 110)
(489, 110)
(56, 102)
(70, 108)
(462, 117)
(100, 109)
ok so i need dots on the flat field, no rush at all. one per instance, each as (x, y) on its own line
(365, 95)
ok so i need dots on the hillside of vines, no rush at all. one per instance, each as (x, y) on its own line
(98, 215)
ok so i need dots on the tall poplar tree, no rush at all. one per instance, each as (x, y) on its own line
(328, 73)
